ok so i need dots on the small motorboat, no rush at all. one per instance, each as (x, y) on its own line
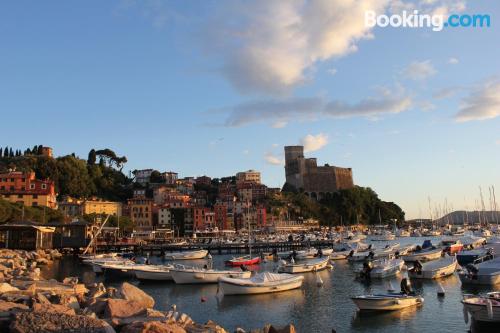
(312, 265)
(485, 273)
(186, 255)
(381, 268)
(153, 272)
(340, 255)
(387, 302)
(121, 270)
(483, 308)
(452, 245)
(97, 263)
(260, 283)
(383, 236)
(312, 253)
(243, 261)
(474, 256)
(426, 252)
(192, 275)
(434, 269)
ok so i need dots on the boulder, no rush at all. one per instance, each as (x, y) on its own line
(8, 307)
(132, 293)
(152, 327)
(70, 280)
(121, 308)
(49, 322)
(5, 287)
(54, 308)
(209, 327)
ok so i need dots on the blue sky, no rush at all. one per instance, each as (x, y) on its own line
(216, 87)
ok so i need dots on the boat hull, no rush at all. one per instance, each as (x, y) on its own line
(188, 255)
(490, 279)
(424, 256)
(386, 303)
(305, 267)
(434, 274)
(479, 312)
(238, 263)
(153, 276)
(228, 288)
(198, 277)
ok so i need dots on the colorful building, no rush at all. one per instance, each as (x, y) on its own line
(16, 186)
(96, 206)
(141, 213)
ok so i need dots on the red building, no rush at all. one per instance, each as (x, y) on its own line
(16, 186)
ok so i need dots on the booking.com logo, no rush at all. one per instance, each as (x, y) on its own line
(416, 20)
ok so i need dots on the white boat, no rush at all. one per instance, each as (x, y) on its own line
(487, 273)
(304, 266)
(186, 255)
(383, 236)
(434, 269)
(97, 263)
(340, 255)
(121, 269)
(425, 253)
(472, 241)
(259, 284)
(192, 275)
(385, 252)
(483, 308)
(153, 272)
(381, 268)
(387, 302)
(312, 253)
(402, 233)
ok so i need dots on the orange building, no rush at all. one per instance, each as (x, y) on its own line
(141, 213)
(16, 186)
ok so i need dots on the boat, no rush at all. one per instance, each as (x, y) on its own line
(474, 256)
(381, 268)
(451, 245)
(242, 261)
(186, 255)
(387, 302)
(483, 308)
(260, 283)
(472, 241)
(434, 269)
(312, 253)
(340, 255)
(121, 270)
(384, 236)
(192, 275)
(402, 233)
(485, 273)
(312, 265)
(97, 263)
(153, 272)
(426, 252)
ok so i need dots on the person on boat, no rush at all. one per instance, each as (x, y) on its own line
(365, 272)
(244, 268)
(406, 287)
(417, 267)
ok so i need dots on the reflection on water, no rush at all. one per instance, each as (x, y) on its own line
(310, 309)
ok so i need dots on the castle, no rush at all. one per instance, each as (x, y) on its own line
(316, 181)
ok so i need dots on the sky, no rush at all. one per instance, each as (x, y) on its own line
(217, 87)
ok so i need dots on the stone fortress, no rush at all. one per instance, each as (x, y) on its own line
(316, 181)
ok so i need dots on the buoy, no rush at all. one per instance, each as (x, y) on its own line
(440, 292)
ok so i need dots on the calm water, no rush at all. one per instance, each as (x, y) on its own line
(310, 309)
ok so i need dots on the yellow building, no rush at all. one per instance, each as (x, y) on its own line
(141, 213)
(102, 207)
(19, 187)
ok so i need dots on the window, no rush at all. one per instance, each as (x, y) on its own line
(44, 186)
(12, 179)
(32, 186)
(35, 196)
(20, 196)
(23, 188)
(34, 204)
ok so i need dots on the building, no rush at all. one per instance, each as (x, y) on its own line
(142, 176)
(141, 213)
(250, 191)
(47, 151)
(102, 207)
(170, 177)
(203, 218)
(222, 222)
(178, 220)
(25, 235)
(316, 181)
(203, 180)
(251, 176)
(16, 186)
(70, 207)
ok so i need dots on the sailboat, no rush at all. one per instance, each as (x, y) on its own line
(248, 259)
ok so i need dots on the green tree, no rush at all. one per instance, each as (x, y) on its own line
(92, 158)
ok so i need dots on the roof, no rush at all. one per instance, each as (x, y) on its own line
(27, 224)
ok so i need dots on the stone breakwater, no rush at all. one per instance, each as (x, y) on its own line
(31, 304)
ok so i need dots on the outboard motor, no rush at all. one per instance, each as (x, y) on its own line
(405, 287)
(351, 253)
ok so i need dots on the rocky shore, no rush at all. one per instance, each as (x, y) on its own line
(31, 304)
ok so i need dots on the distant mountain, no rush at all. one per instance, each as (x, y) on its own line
(472, 217)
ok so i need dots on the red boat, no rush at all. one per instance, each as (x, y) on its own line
(246, 260)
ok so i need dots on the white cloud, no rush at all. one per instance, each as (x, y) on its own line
(273, 159)
(419, 70)
(314, 142)
(446, 92)
(482, 103)
(269, 46)
(279, 124)
(332, 71)
(453, 61)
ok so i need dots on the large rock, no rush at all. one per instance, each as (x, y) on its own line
(48, 322)
(132, 293)
(5, 287)
(54, 308)
(121, 308)
(8, 307)
(209, 327)
(152, 327)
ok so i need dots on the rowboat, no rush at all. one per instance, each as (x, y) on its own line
(186, 255)
(387, 302)
(240, 261)
(259, 284)
(153, 272)
(434, 269)
(192, 275)
(303, 267)
(487, 273)
(483, 308)
(381, 268)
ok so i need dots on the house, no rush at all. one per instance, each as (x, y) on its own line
(26, 235)
(76, 234)
(23, 187)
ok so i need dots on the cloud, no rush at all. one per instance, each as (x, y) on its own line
(314, 142)
(453, 61)
(270, 46)
(273, 159)
(279, 124)
(282, 110)
(446, 92)
(332, 71)
(419, 70)
(481, 104)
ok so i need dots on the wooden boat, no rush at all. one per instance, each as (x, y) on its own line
(153, 272)
(186, 255)
(485, 273)
(192, 275)
(387, 302)
(259, 284)
(434, 269)
(483, 308)
(381, 268)
(304, 266)
(243, 261)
